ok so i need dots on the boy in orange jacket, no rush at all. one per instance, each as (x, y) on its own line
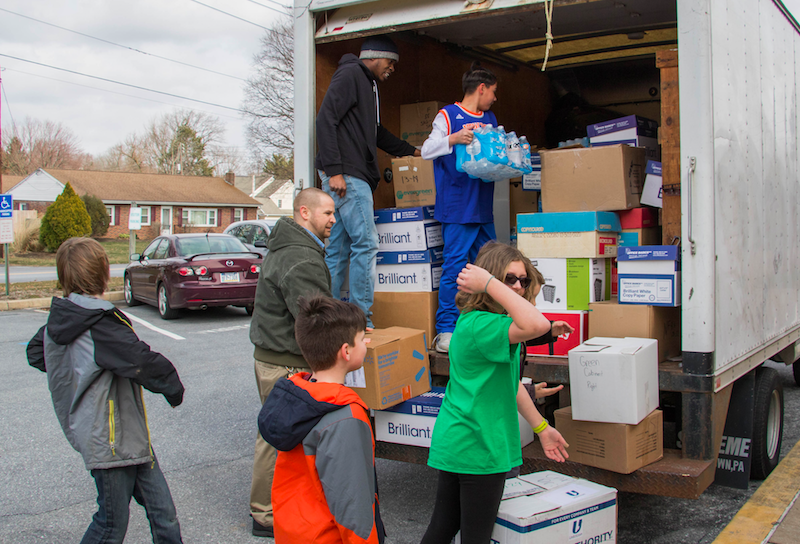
(324, 489)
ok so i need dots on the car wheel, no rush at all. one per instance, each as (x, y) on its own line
(164, 309)
(249, 309)
(767, 423)
(128, 291)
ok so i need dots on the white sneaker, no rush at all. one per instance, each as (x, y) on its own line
(442, 342)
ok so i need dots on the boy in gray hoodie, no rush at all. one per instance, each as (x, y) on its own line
(96, 367)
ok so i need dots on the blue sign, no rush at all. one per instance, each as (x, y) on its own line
(6, 206)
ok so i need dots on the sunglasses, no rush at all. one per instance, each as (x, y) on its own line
(511, 279)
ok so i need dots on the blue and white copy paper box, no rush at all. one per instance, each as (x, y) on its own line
(411, 422)
(632, 130)
(407, 229)
(555, 508)
(614, 380)
(408, 271)
(649, 275)
(533, 181)
(651, 193)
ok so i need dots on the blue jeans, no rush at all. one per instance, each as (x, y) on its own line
(461, 245)
(115, 487)
(354, 237)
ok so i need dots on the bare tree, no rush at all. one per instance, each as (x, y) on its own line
(128, 156)
(269, 94)
(41, 144)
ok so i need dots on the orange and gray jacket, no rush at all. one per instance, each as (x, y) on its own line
(324, 489)
(96, 367)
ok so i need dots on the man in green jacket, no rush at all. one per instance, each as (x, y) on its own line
(294, 267)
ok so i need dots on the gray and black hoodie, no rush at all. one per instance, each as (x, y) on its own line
(96, 367)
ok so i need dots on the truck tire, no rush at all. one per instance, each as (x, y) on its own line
(796, 372)
(767, 423)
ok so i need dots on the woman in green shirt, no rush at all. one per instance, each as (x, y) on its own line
(476, 436)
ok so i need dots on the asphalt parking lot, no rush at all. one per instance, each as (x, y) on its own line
(205, 448)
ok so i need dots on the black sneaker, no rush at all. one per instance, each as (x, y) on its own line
(262, 530)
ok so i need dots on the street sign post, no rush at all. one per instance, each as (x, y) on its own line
(134, 224)
(6, 228)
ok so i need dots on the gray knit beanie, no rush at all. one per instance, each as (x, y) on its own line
(379, 47)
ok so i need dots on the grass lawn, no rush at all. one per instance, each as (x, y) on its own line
(44, 289)
(118, 253)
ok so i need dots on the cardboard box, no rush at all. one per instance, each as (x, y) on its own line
(610, 318)
(613, 446)
(407, 271)
(640, 237)
(592, 179)
(413, 310)
(413, 182)
(521, 201)
(651, 194)
(632, 130)
(589, 235)
(649, 275)
(396, 368)
(411, 422)
(565, 342)
(533, 181)
(571, 284)
(416, 121)
(638, 218)
(556, 509)
(614, 380)
(407, 229)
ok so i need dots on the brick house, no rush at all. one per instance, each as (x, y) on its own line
(169, 203)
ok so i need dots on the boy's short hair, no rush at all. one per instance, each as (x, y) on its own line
(82, 266)
(476, 75)
(323, 325)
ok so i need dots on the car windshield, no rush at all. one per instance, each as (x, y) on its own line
(215, 244)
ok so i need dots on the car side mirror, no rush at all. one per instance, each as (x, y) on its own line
(136, 257)
(260, 243)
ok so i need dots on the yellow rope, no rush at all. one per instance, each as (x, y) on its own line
(548, 12)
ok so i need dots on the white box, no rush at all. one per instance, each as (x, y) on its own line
(411, 422)
(649, 275)
(571, 284)
(407, 229)
(632, 130)
(651, 193)
(614, 380)
(408, 271)
(559, 509)
(533, 181)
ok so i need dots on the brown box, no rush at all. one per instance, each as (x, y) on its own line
(521, 201)
(395, 369)
(662, 323)
(416, 121)
(413, 182)
(592, 178)
(650, 236)
(416, 310)
(612, 446)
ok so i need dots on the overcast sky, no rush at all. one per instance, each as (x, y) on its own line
(177, 29)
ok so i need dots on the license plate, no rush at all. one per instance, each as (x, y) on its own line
(229, 277)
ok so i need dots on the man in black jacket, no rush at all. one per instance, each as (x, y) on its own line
(349, 131)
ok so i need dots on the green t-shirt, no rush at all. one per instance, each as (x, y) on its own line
(477, 430)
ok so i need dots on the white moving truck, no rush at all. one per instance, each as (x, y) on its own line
(734, 162)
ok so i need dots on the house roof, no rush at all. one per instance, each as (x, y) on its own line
(8, 182)
(123, 187)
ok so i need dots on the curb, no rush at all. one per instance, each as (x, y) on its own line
(762, 515)
(112, 296)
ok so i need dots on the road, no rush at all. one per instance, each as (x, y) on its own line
(205, 448)
(19, 274)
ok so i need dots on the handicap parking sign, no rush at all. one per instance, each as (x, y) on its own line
(6, 206)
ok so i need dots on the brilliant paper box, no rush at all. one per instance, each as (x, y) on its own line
(632, 130)
(413, 182)
(560, 348)
(560, 510)
(411, 422)
(649, 275)
(590, 235)
(613, 446)
(571, 284)
(416, 121)
(407, 229)
(592, 179)
(533, 181)
(651, 194)
(407, 271)
(660, 323)
(396, 368)
(414, 310)
(614, 380)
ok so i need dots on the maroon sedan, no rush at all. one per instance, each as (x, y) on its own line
(193, 271)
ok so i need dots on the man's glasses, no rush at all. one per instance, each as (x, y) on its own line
(511, 280)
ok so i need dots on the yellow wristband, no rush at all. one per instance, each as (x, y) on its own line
(542, 426)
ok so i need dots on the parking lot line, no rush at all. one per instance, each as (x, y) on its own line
(153, 327)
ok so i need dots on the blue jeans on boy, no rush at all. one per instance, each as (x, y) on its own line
(461, 245)
(115, 487)
(354, 236)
